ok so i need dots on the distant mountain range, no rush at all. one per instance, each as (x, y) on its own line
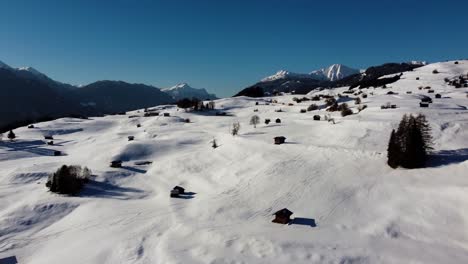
(336, 75)
(29, 95)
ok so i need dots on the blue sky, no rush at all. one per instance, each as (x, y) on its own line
(223, 45)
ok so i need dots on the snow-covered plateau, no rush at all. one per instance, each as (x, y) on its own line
(349, 206)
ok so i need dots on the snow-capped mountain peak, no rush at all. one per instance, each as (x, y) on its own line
(334, 72)
(331, 73)
(184, 90)
(33, 71)
(178, 86)
(282, 74)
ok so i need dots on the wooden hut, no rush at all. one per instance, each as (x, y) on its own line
(303, 111)
(116, 164)
(50, 142)
(426, 99)
(316, 117)
(130, 138)
(138, 125)
(423, 104)
(48, 137)
(31, 126)
(166, 114)
(278, 120)
(283, 216)
(438, 96)
(267, 121)
(177, 191)
(279, 140)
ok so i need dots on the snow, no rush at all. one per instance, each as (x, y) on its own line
(349, 206)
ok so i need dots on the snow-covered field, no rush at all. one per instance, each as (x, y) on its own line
(350, 207)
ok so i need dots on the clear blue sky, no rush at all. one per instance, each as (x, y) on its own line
(223, 45)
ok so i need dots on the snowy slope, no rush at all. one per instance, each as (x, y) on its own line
(333, 176)
(183, 90)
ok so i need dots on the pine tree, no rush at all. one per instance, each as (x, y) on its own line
(409, 145)
(393, 151)
(11, 135)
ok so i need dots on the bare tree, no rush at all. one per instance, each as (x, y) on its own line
(235, 128)
(254, 120)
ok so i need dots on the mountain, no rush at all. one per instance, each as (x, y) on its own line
(118, 96)
(183, 90)
(29, 96)
(334, 72)
(331, 73)
(336, 75)
(4, 66)
(26, 99)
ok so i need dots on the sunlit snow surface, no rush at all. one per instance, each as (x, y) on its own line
(350, 207)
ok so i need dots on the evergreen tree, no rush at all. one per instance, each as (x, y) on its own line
(409, 145)
(393, 151)
(11, 135)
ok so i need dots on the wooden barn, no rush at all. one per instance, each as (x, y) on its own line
(423, 104)
(279, 140)
(438, 96)
(131, 138)
(176, 191)
(283, 216)
(116, 164)
(316, 117)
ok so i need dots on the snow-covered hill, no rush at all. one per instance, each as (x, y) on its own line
(349, 206)
(183, 90)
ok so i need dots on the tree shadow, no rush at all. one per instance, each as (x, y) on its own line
(136, 170)
(303, 221)
(9, 260)
(253, 133)
(185, 195)
(31, 146)
(447, 157)
(107, 190)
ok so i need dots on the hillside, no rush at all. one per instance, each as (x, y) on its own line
(118, 96)
(348, 205)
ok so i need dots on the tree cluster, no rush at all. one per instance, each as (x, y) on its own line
(410, 144)
(195, 104)
(68, 179)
